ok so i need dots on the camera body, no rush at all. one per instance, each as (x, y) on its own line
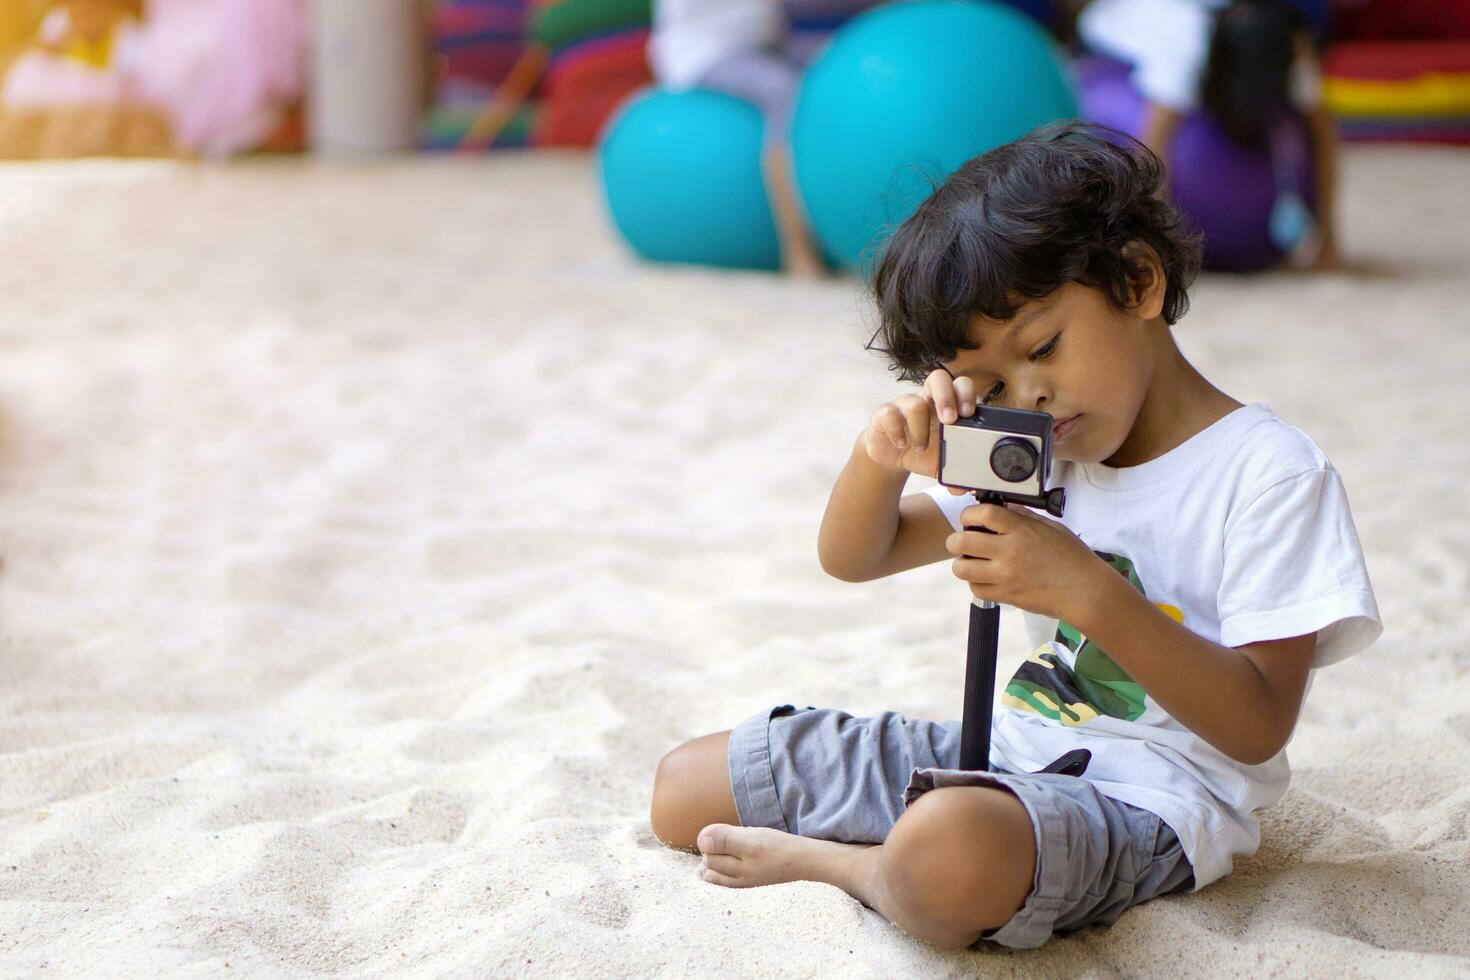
(1002, 455)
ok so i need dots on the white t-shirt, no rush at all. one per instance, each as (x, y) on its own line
(1168, 42)
(692, 36)
(1243, 534)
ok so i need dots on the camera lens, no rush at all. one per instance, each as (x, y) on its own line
(1013, 460)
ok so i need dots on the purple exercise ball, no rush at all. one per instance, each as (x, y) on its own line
(1225, 190)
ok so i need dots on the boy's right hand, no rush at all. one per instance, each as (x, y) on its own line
(903, 435)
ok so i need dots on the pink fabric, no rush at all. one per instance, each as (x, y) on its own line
(41, 80)
(222, 69)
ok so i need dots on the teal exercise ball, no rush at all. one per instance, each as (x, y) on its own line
(904, 94)
(681, 175)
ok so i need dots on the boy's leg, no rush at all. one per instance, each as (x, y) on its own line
(959, 861)
(691, 790)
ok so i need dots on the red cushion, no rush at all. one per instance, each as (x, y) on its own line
(583, 90)
(1391, 61)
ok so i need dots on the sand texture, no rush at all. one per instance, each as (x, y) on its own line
(370, 532)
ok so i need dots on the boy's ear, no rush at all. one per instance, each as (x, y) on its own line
(1147, 283)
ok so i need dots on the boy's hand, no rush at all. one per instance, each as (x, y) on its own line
(904, 433)
(1031, 562)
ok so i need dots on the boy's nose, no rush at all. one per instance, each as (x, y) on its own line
(1033, 395)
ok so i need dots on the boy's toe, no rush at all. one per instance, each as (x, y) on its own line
(715, 878)
(715, 839)
(723, 864)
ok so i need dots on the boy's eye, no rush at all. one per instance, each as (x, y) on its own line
(1046, 349)
(993, 393)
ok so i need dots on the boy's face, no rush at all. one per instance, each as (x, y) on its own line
(1073, 354)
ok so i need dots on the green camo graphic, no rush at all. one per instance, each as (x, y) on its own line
(1097, 686)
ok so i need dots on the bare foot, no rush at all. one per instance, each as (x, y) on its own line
(745, 857)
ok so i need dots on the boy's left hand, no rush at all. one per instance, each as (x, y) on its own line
(1031, 562)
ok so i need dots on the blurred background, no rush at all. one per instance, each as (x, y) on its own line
(760, 134)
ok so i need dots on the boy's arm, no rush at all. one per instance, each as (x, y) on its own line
(1242, 700)
(871, 529)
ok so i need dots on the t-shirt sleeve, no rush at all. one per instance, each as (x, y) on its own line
(1166, 42)
(1292, 564)
(951, 504)
(692, 36)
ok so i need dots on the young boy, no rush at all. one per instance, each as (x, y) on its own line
(1206, 562)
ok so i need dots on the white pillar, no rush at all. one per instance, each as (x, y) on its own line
(366, 84)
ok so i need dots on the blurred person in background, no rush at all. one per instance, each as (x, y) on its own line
(746, 48)
(1249, 64)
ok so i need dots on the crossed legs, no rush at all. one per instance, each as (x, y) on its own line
(958, 862)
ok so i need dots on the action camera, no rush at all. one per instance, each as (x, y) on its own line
(1002, 455)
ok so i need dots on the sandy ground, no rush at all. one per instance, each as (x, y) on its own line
(369, 534)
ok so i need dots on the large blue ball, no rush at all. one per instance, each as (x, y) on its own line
(682, 176)
(901, 97)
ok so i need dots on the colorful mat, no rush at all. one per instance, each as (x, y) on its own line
(1399, 90)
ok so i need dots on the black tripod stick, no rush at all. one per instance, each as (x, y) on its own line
(980, 673)
(980, 686)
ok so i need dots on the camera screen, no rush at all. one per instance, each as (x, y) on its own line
(967, 461)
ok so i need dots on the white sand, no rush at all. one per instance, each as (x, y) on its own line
(369, 534)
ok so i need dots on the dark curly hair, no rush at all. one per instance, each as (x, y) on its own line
(1058, 205)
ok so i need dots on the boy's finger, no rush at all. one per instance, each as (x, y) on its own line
(1029, 514)
(888, 423)
(984, 591)
(892, 426)
(970, 544)
(916, 414)
(976, 571)
(940, 388)
(989, 515)
(964, 392)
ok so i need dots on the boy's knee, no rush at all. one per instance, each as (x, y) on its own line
(958, 862)
(691, 789)
(664, 809)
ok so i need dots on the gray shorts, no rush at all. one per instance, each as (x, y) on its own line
(823, 773)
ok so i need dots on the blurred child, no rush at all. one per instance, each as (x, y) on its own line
(1248, 63)
(744, 48)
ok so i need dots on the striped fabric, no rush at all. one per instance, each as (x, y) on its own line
(1400, 90)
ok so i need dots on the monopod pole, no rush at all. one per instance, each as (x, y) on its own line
(979, 685)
